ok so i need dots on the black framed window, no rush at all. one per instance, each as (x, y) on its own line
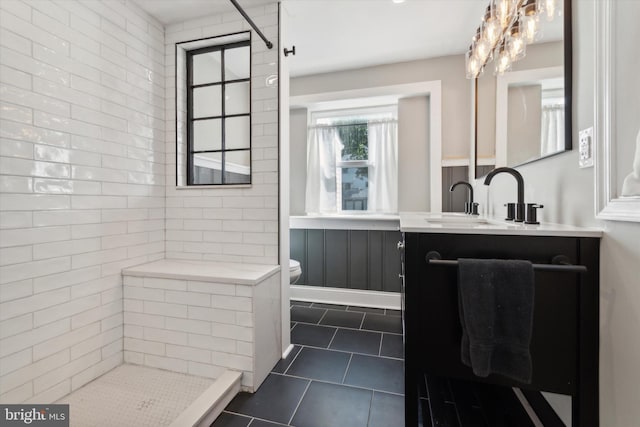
(219, 115)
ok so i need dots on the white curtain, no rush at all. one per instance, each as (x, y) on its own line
(383, 169)
(552, 135)
(320, 195)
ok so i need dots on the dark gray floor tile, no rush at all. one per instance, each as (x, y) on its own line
(366, 309)
(301, 303)
(332, 405)
(386, 410)
(226, 419)
(283, 364)
(390, 312)
(376, 322)
(357, 341)
(377, 373)
(345, 319)
(392, 346)
(261, 423)
(330, 306)
(313, 335)
(307, 314)
(317, 364)
(275, 400)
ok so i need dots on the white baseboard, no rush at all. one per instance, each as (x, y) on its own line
(375, 299)
(287, 351)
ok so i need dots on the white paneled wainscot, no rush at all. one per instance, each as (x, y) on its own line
(203, 318)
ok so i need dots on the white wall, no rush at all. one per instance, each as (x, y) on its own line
(297, 160)
(414, 189)
(568, 195)
(228, 224)
(82, 182)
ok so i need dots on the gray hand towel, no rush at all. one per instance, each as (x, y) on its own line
(495, 300)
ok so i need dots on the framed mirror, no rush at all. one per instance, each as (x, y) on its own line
(525, 114)
(617, 129)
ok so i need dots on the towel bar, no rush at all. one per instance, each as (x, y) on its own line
(433, 257)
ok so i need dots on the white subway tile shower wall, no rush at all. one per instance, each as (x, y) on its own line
(82, 157)
(228, 224)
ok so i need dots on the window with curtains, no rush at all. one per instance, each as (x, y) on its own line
(352, 161)
(218, 114)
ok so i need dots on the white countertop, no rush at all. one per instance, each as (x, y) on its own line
(458, 223)
(346, 222)
(204, 271)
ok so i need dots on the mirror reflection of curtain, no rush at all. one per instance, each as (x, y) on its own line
(552, 132)
(320, 194)
(383, 154)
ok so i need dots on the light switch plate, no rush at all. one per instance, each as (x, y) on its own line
(585, 147)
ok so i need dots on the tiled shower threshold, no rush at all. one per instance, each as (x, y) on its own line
(132, 395)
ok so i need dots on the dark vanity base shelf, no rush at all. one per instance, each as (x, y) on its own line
(564, 343)
(447, 402)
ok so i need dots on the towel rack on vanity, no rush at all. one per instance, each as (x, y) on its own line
(560, 263)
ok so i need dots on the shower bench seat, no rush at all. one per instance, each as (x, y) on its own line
(203, 318)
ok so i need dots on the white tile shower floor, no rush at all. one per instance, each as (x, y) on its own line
(136, 396)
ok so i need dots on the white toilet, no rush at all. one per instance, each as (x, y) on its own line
(294, 271)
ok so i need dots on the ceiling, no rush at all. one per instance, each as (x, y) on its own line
(173, 11)
(331, 35)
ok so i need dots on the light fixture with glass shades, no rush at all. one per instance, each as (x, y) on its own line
(506, 29)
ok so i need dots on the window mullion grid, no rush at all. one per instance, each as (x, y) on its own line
(338, 154)
(190, 175)
(219, 151)
(219, 83)
(221, 116)
(353, 164)
(345, 165)
(224, 120)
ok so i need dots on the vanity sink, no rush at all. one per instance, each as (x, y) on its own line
(457, 220)
(454, 219)
(460, 225)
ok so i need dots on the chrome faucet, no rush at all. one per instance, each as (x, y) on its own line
(519, 207)
(470, 207)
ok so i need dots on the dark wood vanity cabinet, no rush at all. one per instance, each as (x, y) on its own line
(564, 345)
